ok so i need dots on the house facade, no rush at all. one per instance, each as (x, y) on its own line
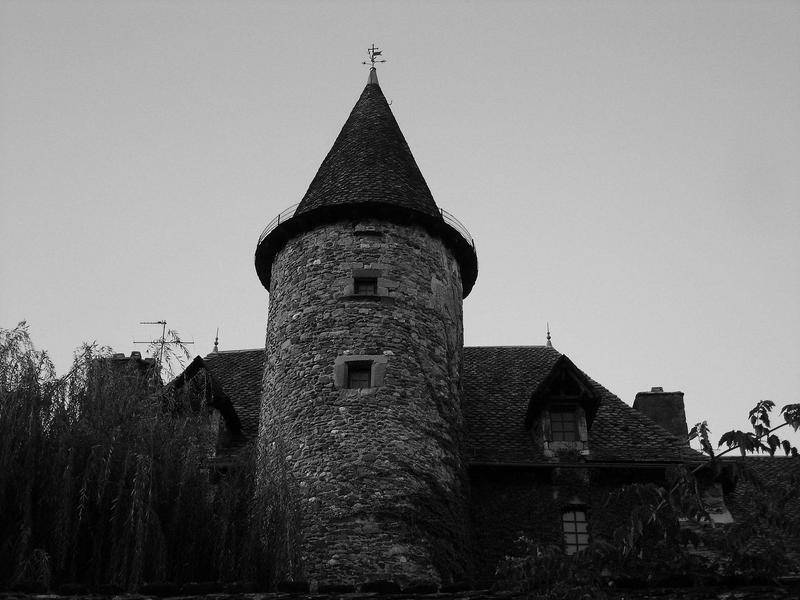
(412, 458)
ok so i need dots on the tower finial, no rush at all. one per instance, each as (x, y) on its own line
(216, 342)
(549, 343)
(374, 52)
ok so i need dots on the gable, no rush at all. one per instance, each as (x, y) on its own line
(232, 383)
(564, 383)
(239, 374)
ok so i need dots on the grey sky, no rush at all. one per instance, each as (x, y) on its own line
(630, 171)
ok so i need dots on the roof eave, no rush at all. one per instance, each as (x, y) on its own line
(275, 240)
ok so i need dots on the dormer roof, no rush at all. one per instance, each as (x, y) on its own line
(565, 381)
(503, 383)
(370, 162)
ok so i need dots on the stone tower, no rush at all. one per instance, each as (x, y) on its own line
(362, 385)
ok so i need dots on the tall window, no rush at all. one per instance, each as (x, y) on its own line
(564, 424)
(359, 375)
(576, 530)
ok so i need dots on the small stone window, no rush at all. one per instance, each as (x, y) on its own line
(365, 286)
(576, 530)
(563, 425)
(363, 372)
(359, 375)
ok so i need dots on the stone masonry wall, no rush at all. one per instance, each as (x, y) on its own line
(379, 481)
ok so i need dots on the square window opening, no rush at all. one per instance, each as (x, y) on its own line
(359, 375)
(365, 286)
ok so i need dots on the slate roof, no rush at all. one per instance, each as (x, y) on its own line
(778, 476)
(766, 496)
(498, 383)
(369, 173)
(370, 162)
(239, 373)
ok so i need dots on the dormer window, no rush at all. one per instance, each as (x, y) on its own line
(365, 286)
(565, 430)
(561, 410)
(563, 424)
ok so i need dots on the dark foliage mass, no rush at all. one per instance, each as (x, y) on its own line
(669, 537)
(106, 478)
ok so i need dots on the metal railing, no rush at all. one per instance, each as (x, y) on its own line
(457, 225)
(289, 213)
(284, 216)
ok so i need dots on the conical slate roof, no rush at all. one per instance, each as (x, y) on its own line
(370, 162)
(369, 172)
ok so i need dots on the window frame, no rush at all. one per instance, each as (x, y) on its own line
(363, 281)
(376, 362)
(562, 433)
(572, 527)
(361, 368)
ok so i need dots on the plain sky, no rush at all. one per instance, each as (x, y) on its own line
(630, 171)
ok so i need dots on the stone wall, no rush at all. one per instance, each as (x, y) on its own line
(508, 504)
(379, 482)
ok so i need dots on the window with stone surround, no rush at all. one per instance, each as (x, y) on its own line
(575, 526)
(368, 284)
(360, 371)
(565, 430)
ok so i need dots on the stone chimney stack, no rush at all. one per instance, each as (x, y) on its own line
(666, 409)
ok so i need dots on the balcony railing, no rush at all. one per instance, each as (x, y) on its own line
(284, 216)
(457, 225)
(289, 213)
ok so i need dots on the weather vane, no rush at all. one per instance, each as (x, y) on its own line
(374, 52)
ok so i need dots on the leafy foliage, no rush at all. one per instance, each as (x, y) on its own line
(106, 479)
(669, 521)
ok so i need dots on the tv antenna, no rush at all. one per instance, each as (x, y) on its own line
(374, 52)
(162, 342)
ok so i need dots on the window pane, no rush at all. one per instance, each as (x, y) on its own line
(358, 376)
(563, 425)
(576, 531)
(365, 286)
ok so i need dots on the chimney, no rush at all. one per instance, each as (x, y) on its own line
(666, 409)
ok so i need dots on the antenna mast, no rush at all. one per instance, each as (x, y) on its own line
(161, 342)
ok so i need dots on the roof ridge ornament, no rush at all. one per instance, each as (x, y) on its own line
(549, 343)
